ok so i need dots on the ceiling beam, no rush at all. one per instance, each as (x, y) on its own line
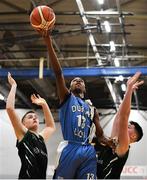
(72, 72)
(12, 5)
(89, 32)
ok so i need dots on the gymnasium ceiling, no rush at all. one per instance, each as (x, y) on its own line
(21, 47)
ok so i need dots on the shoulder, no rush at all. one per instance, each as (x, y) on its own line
(24, 139)
(121, 152)
(67, 97)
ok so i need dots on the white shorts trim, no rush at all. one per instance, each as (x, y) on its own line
(60, 148)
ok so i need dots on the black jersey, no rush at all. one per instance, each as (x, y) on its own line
(109, 164)
(33, 154)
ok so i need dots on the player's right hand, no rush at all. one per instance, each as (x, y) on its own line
(11, 80)
(44, 32)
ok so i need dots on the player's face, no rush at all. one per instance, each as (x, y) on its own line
(132, 132)
(77, 84)
(31, 121)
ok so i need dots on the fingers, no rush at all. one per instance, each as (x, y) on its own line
(135, 77)
(9, 75)
(34, 96)
(38, 96)
(137, 74)
(140, 83)
(137, 84)
(43, 32)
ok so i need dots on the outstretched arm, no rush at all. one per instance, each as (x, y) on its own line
(49, 121)
(122, 117)
(60, 81)
(19, 128)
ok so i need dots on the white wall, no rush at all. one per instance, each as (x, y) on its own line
(9, 160)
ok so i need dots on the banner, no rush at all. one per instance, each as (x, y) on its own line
(134, 171)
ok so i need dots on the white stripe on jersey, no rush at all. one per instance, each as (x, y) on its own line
(28, 149)
(28, 160)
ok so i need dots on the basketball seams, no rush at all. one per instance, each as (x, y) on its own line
(36, 20)
(42, 17)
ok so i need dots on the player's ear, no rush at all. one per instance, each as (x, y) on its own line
(133, 137)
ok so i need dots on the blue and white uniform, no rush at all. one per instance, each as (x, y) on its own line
(77, 157)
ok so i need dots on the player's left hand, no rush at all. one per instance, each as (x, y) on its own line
(36, 99)
(133, 83)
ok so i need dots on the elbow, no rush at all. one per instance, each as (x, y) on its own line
(122, 150)
(52, 127)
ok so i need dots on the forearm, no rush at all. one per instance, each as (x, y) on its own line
(60, 81)
(11, 98)
(125, 106)
(53, 58)
(49, 120)
(99, 130)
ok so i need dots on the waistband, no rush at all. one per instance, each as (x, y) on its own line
(78, 142)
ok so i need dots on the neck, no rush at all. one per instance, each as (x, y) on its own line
(34, 131)
(80, 95)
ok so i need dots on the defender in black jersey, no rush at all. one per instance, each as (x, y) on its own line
(31, 144)
(110, 162)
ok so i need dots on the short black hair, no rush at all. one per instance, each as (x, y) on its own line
(26, 114)
(138, 129)
(76, 78)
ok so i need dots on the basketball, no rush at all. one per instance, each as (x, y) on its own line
(42, 18)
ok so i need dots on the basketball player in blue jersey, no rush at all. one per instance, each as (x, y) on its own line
(111, 162)
(30, 143)
(79, 119)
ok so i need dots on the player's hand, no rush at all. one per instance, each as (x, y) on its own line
(133, 82)
(36, 99)
(11, 81)
(108, 142)
(44, 32)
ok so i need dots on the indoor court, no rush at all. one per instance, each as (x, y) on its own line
(102, 41)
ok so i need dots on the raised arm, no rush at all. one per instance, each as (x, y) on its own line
(60, 81)
(19, 128)
(122, 116)
(49, 121)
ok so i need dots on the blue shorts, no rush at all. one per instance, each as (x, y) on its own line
(77, 162)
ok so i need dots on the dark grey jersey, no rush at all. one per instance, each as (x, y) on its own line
(33, 154)
(109, 164)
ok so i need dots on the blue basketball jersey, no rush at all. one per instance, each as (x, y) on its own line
(76, 119)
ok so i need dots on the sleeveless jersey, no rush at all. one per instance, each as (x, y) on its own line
(109, 164)
(33, 154)
(76, 156)
(76, 119)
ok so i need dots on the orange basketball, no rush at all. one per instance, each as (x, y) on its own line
(42, 17)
